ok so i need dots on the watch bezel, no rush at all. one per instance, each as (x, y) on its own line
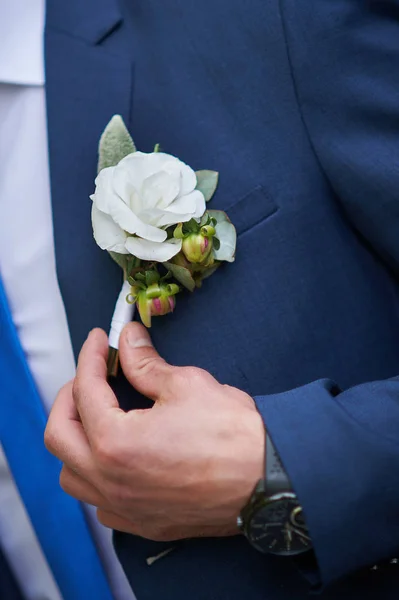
(258, 501)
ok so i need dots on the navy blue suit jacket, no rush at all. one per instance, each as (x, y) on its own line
(297, 106)
(9, 589)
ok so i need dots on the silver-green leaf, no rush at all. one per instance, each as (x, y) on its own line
(207, 182)
(120, 259)
(115, 143)
(182, 275)
(227, 235)
(208, 272)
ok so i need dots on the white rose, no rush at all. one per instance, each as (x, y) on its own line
(135, 200)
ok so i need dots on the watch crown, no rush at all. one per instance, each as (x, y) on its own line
(240, 522)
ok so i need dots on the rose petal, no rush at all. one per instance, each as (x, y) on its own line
(182, 210)
(146, 250)
(145, 192)
(200, 202)
(141, 165)
(134, 168)
(188, 179)
(168, 219)
(111, 204)
(107, 234)
(159, 161)
(183, 205)
(103, 189)
(125, 218)
(159, 190)
(125, 189)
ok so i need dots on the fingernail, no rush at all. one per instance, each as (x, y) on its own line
(138, 339)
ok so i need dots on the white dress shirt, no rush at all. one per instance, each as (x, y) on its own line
(28, 272)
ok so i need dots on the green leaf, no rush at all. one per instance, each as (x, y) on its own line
(120, 259)
(207, 182)
(226, 234)
(167, 276)
(182, 275)
(172, 289)
(130, 299)
(151, 277)
(205, 220)
(216, 243)
(144, 309)
(136, 284)
(157, 148)
(178, 232)
(115, 143)
(153, 291)
(192, 226)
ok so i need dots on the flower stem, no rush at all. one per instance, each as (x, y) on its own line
(112, 362)
(123, 314)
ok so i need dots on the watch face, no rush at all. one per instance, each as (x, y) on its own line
(278, 527)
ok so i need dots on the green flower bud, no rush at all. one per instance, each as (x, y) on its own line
(197, 247)
(155, 300)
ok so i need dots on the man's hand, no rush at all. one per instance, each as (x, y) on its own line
(182, 469)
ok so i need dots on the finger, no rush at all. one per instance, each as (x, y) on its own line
(141, 363)
(113, 521)
(95, 401)
(76, 486)
(64, 435)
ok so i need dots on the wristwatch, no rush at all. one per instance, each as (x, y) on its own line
(273, 520)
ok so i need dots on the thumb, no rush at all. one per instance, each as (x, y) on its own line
(143, 367)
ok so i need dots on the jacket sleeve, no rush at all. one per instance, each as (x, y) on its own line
(341, 449)
(341, 452)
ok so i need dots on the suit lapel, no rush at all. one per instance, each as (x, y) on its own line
(86, 85)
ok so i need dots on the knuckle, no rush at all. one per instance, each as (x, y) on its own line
(114, 448)
(193, 372)
(180, 376)
(189, 376)
(82, 387)
(238, 395)
(65, 481)
(147, 365)
(109, 451)
(77, 387)
(119, 495)
(104, 452)
(50, 439)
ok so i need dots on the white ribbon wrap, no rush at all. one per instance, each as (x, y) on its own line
(123, 314)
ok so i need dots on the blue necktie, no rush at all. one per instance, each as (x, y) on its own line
(58, 519)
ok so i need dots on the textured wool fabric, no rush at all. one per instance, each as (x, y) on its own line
(8, 586)
(296, 105)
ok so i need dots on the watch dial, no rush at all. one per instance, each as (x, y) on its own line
(279, 527)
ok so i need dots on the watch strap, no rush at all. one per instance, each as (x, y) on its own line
(276, 477)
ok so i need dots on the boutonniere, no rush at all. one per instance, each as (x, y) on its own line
(149, 213)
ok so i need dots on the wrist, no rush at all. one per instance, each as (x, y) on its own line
(238, 458)
(255, 456)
